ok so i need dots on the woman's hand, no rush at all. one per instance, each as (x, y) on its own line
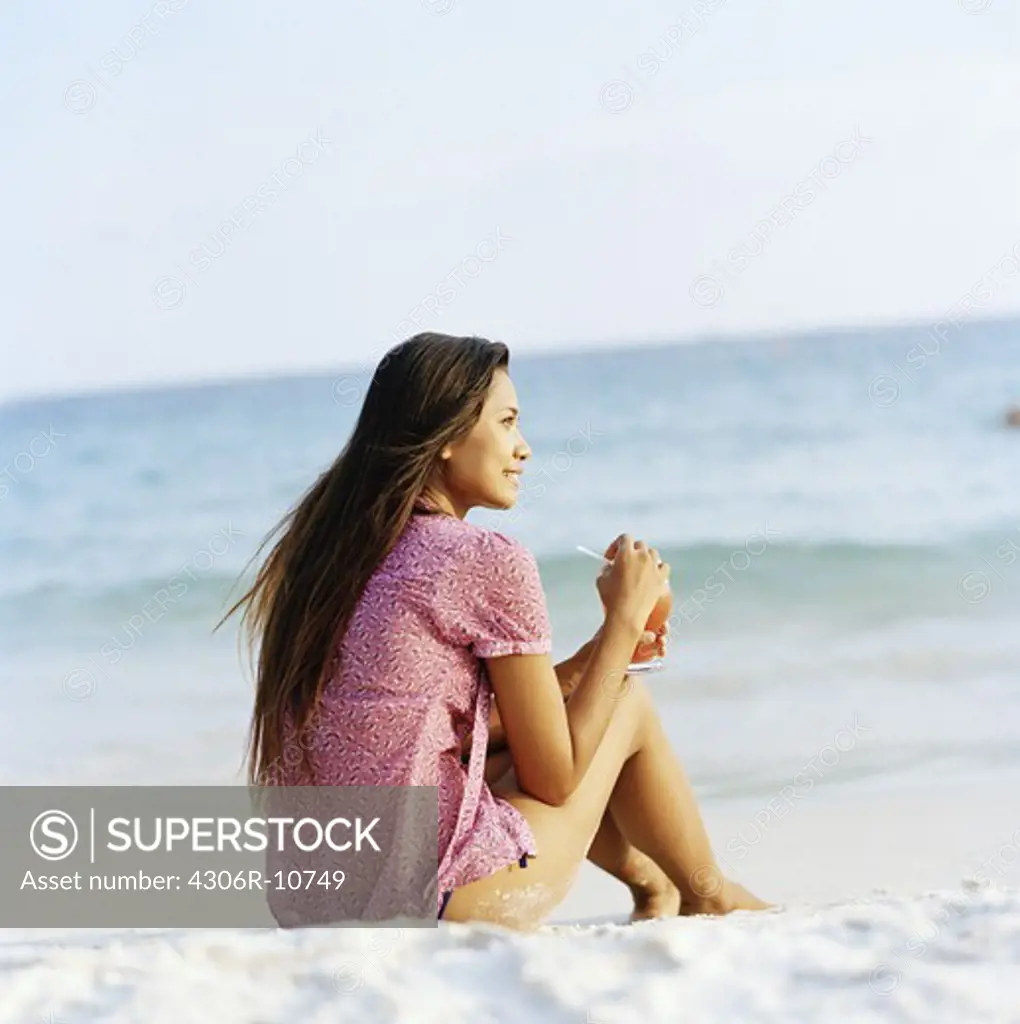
(632, 581)
(653, 645)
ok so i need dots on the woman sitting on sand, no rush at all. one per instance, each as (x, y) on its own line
(381, 611)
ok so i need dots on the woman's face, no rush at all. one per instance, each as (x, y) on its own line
(483, 469)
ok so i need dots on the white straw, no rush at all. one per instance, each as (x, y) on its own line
(594, 554)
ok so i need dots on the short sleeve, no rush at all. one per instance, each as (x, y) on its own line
(500, 599)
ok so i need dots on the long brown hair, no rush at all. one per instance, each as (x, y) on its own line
(426, 392)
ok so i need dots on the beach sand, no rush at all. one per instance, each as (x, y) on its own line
(883, 917)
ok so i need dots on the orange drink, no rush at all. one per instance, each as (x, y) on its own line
(659, 617)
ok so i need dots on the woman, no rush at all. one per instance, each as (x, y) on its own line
(387, 624)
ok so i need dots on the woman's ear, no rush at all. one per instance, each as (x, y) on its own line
(445, 454)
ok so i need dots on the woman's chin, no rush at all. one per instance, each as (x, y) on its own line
(500, 499)
(505, 501)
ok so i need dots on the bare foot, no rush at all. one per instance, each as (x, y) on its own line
(653, 893)
(652, 901)
(732, 896)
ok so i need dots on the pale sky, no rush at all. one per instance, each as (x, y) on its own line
(614, 189)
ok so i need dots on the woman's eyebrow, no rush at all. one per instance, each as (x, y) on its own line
(511, 408)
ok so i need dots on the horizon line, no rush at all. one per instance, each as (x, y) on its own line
(758, 335)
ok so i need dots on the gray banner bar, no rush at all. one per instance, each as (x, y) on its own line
(218, 856)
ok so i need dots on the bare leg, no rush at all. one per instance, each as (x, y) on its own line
(654, 807)
(653, 893)
(651, 772)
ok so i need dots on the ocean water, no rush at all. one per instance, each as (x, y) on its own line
(841, 512)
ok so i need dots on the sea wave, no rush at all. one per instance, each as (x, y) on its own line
(759, 578)
(881, 581)
(129, 606)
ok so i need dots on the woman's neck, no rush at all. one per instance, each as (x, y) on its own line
(434, 503)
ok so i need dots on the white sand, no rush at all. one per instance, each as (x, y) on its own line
(841, 949)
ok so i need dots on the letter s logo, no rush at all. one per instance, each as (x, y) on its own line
(53, 826)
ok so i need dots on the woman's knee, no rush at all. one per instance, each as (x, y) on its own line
(582, 812)
(641, 694)
(637, 706)
(625, 736)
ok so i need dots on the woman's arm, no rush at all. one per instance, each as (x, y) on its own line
(498, 759)
(568, 675)
(569, 672)
(552, 741)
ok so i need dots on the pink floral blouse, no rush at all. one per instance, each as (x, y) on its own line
(412, 683)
